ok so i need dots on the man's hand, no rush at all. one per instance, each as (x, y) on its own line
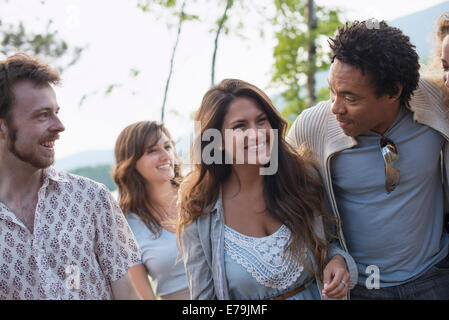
(336, 278)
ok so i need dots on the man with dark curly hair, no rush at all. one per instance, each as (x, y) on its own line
(381, 143)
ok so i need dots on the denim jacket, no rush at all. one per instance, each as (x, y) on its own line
(202, 244)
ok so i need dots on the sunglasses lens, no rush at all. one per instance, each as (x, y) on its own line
(390, 155)
(392, 176)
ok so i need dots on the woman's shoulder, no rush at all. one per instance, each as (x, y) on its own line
(133, 218)
(136, 224)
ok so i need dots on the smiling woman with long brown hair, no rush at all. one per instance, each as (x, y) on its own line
(147, 173)
(250, 236)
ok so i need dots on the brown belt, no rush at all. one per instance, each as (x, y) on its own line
(291, 293)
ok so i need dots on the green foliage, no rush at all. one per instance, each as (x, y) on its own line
(171, 5)
(145, 5)
(110, 88)
(133, 72)
(48, 44)
(290, 53)
(323, 94)
(99, 173)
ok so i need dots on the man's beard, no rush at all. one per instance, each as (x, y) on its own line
(28, 157)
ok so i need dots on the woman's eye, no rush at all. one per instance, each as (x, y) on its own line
(262, 120)
(167, 147)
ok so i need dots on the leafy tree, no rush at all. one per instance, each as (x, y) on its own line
(294, 64)
(47, 44)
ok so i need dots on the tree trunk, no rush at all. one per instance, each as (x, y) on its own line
(229, 4)
(181, 19)
(311, 52)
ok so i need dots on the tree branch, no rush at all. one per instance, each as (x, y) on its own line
(181, 20)
(229, 4)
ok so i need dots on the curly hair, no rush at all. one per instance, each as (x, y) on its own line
(21, 66)
(383, 52)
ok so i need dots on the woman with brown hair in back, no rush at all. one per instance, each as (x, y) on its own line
(147, 173)
(245, 235)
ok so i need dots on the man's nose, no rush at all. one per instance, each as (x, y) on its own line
(57, 125)
(338, 107)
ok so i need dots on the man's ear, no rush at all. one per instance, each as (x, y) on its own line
(397, 96)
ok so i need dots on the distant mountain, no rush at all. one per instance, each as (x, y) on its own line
(420, 27)
(183, 146)
(87, 160)
(90, 158)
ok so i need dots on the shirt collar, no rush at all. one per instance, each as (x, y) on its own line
(55, 175)
(218, 204)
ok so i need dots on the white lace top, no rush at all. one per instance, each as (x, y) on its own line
(264, 258)
(258, 268)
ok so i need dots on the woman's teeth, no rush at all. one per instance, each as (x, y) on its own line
(257, 147)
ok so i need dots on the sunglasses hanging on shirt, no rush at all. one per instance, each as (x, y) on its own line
(390, 155)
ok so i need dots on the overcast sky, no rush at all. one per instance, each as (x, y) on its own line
(120, 37)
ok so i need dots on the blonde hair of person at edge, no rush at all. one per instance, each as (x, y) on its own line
(147, 173)
(246, 235)
(437, 71)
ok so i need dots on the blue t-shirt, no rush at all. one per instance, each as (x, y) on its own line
(160, 257)
(402, 232)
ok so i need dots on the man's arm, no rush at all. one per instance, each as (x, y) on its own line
(116, 247)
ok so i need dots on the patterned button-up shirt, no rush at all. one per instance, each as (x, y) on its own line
(81, 243)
